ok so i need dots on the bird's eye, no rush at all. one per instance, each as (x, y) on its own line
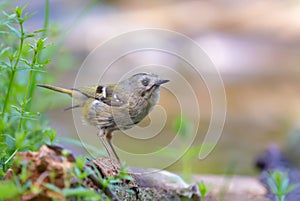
(145, 82)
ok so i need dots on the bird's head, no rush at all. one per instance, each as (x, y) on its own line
(143, 83)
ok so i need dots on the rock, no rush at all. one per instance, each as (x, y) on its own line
(150, 184)
(52, 166)
(233, 188)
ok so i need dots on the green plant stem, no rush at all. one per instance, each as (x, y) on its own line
(34, 73)
(14, 68)
(30, 78)
(11, 156)
(46, 18)
(280, 197)
(31, 84)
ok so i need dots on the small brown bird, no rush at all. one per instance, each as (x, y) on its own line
(118, 106)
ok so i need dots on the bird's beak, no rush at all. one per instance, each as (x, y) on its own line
(159, 82)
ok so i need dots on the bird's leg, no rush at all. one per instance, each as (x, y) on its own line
(101, 135)
(108, 139)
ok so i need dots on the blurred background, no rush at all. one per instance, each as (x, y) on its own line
(254, 44)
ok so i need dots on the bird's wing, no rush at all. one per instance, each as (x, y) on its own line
(104, 93)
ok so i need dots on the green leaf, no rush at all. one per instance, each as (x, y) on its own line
(4, 32)
(39, 31)
(25, 174)
(10, 141)
(80, 162)
(25, 61)
(35, 189)
(21, 140)
(28, 184)
(18, 11)
(79, 191)
(4, 65)
(50, 133)
(30, 35)
(284, 184)
(9, 16)
(27, 16)
(45, 62)
(16, 108)
(3, 146)
(39, 44)
(273, 187)
(52, 187)
(202, 188)
(8, 190)
(4, 50)
(291, 187)
(15, 31)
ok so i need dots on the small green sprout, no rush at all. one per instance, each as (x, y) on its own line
(280, 185)
(203, 188)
